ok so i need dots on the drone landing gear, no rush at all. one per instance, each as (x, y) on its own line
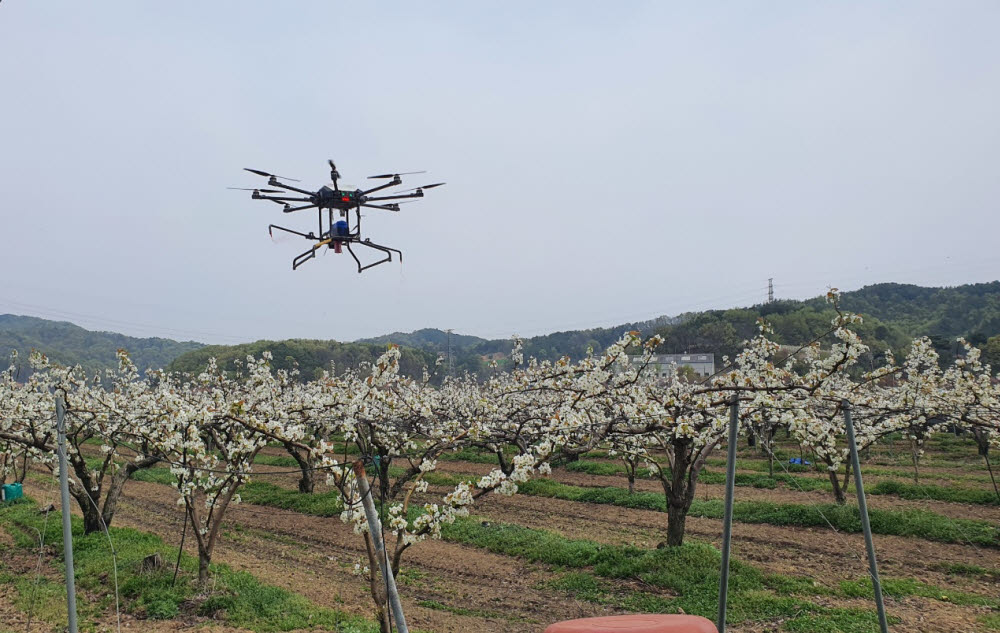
(335, 244)
(370, 244)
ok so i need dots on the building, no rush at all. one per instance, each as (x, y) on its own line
(664, 365)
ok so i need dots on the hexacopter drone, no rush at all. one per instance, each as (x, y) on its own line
(330, 197)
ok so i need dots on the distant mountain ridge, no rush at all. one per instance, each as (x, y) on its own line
(894, 315)
(69, 344)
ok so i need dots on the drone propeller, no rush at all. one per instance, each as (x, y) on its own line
(437, 184)
(261, 190)
(402, 173)
(264, 173)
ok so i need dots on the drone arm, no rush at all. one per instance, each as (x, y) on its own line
(289, 210)
(379, 206)
(271, 227)
(275, 183)
(283, 199)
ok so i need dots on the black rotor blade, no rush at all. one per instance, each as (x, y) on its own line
(437, 184)
(402, 173)
(264, 173)
(257, 189)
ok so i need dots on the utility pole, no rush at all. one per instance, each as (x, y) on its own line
(66, 524)
(770, 290)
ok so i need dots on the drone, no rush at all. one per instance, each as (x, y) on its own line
(338, 234)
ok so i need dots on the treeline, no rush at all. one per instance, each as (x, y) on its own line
(309, 357)
(894, 314)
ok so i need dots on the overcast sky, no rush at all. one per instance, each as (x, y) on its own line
(606, 162)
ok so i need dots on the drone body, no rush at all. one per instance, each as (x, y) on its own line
(336, 234)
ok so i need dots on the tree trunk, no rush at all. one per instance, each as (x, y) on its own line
(838, 490)
(307, 481)
(91, 517)
(678, 491)
(676, 518)
(114, 493)
(631, 482)
(204, 560)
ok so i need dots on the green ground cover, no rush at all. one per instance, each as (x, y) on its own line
(237, 597)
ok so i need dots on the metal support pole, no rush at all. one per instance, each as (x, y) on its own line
(66, 523)
(865, 525)
(727, 521)
(375, 529)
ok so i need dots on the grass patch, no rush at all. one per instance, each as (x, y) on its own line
(903, 587)
(239, 598)
(681, 578)
(920, 492)
(324, 504)
(903, 490)
(991, 621)
(963, 569)
(469, 455)
(915, 523)
(275, 460)
(155, 476)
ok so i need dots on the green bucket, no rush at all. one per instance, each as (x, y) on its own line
(10, 492)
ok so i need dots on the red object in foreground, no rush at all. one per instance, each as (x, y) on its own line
(636, 624)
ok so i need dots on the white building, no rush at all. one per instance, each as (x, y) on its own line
(664, 365)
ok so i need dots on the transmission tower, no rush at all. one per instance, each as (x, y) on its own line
(450, 372)
(770, 290)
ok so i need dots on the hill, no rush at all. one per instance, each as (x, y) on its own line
(309, 356)
(894, 315)
(69, 344)
(427, 338)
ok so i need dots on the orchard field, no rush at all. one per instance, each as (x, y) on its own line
(521, 562)
(507, 502)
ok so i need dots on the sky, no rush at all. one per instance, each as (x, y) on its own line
(605, 162)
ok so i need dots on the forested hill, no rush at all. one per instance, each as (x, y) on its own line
(894, 315)
(69, 344)
(310, 357)
(972, 310)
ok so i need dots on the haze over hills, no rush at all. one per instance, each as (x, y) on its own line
(894, 315)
